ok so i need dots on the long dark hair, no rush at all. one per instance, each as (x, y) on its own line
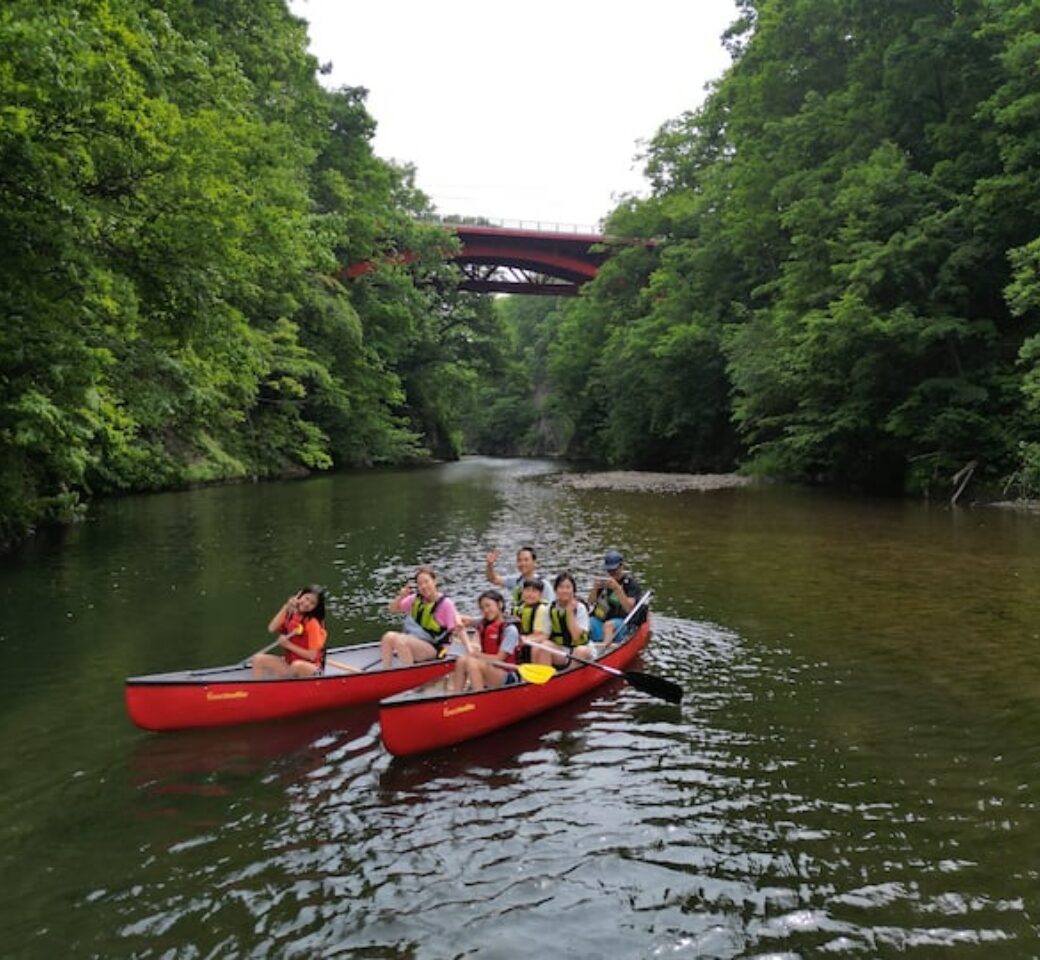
(318, 613)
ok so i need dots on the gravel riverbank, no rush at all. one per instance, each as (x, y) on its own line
(651, 482)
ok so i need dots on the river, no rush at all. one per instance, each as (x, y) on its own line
(853, 772)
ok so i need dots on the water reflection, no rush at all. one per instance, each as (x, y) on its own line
(211, 762)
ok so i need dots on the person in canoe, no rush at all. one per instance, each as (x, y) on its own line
(612, 596)
(300, 624)
(568, 625)
(513, 582)
(430, 619)
(499, 641)
(533, 615)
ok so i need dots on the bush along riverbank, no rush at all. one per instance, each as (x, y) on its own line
(179, 196)
(840, 279)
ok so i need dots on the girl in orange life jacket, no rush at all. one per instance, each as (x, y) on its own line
(428, 626)
(300, 622)
(499, 640)
(568, 622)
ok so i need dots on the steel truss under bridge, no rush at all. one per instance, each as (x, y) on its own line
(492, 278)
(504, 258)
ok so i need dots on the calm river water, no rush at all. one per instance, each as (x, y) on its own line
(855, 770)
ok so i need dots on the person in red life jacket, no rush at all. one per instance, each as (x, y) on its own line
(430, 619)
(569, 625)
(499, 641)
(300, 624)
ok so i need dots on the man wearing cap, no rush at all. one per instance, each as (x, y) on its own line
(613, 595)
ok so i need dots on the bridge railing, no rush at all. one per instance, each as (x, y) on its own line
(539, 226)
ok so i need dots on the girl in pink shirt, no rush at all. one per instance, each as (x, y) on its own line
(428, 625)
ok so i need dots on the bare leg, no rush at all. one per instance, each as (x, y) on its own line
(386, 648)
(407, 648)
(457, 680)
(492, 676)
(268, 665)
(538, 655)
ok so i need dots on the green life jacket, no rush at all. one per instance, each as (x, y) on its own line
(560, 634)
(423, 614)
(526, 616)
(608, 606)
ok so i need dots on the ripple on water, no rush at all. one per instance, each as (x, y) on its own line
(792, 806)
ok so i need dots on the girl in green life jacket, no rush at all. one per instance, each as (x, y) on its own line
(568, 624)
(430, 619)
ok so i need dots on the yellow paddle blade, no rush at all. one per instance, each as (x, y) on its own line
(537, 672)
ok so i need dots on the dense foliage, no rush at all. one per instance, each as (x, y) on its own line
(512, 415)
(845, 278)
(839, 273)
(178, 195)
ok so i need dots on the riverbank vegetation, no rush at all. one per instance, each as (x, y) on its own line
(843, 280)
(178, 195)
(839, 277)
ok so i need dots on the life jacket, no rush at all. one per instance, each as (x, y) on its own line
(526, 616)
(518, 592)
(423, 614)
(608, 607)
(491, 635)
(560, 634)
(295, 629)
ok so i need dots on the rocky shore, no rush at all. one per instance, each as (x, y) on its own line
(650, 482)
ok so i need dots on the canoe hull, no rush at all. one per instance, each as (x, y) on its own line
(415, 724)
(228, 696)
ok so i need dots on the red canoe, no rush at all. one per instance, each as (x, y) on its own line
(223, 696)
(422, 720)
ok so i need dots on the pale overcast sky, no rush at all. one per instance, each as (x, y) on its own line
(522, 111)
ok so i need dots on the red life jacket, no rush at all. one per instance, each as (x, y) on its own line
(294, 627)
(491, 638)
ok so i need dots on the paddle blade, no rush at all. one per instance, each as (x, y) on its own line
(655, 686)
(536, 672)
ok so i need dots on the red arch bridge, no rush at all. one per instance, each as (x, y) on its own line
(525, 258)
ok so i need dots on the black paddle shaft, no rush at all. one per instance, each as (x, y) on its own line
(647, 682)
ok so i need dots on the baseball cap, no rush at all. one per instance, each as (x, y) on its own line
(613, 560)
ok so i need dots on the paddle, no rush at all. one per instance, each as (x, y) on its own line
(248, 662)
(646, 682)
(345, 667)
(531, 672)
